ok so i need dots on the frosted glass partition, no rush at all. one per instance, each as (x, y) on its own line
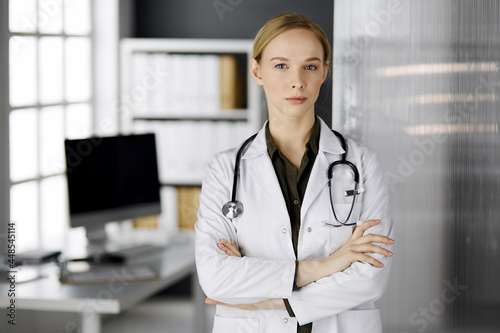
(419, 82)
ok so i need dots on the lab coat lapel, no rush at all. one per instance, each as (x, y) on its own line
(329, 151)
(317, 180)
(261, 170)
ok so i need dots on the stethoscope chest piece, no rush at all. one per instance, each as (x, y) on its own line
(232, 209)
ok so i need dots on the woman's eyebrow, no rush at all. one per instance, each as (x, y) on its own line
(278, 59)
(313, 59)
(285, 59)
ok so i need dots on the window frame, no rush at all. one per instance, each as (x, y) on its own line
(6, 183)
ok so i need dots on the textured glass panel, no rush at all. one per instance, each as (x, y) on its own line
(23, 144)
(52, 158)
(24, 211)
(23, 69)
(22, 15)
(50, 16)
(78, 69)
(51, 70)
(78, 121)
(77, 17)
(53, 212)
(419, 82)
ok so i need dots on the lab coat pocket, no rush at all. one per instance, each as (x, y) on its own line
(357, 321)
(236, 325)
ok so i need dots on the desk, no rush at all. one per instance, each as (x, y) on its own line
(92, 301)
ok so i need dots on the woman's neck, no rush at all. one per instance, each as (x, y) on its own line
(291, 136)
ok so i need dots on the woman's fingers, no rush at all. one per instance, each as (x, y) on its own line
(369, 259)
(373, 238)
(364, 248)
(231, 248)
(360, 229)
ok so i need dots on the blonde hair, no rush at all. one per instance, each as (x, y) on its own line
(282, 23)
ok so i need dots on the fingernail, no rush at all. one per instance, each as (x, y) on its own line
(381, 264)
(390, 253)
(391, 241)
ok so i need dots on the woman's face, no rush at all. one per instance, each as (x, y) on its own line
(292, 70)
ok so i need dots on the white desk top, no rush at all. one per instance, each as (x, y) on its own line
(48, 294)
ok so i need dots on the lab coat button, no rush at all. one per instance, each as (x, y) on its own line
(285, 320)
(309, 229)
(284, 230)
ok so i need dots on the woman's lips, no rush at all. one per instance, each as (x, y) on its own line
(296, 99)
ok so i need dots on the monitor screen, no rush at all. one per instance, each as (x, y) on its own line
(112, 179)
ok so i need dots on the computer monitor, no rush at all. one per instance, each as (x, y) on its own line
(111, 179)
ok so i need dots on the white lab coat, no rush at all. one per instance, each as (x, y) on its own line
(343, 302)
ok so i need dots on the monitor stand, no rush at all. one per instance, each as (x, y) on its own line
(96, 240)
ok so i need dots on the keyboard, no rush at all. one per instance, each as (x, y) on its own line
(104, 274)
(138, 251)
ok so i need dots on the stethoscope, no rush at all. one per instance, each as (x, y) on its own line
(234, 208)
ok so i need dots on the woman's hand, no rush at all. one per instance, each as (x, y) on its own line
(355, 249)
(357, 246)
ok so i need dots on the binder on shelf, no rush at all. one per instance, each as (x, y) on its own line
(156, 85)
(230, 94)
(187, 205)
(209, 84)
(177, 92)
(138, 99)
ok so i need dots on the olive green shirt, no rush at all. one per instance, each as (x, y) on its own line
(293, 184)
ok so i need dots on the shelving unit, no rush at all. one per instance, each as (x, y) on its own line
(176, 87)
(197, 96)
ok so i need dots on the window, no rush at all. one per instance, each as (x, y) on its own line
(50, 99)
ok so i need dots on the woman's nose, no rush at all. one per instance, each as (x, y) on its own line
(297, 81)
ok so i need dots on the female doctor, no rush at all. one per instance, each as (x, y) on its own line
(287, 263)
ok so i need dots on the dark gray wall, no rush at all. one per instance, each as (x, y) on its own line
(228, 19)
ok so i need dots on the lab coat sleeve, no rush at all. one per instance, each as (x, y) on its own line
(361, 282)
(230, 279)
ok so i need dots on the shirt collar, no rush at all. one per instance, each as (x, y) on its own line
(312, 144)
(328, 142)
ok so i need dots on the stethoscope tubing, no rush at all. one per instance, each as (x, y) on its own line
(237, 165)
(233, 208)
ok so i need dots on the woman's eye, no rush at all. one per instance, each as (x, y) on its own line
(310, 67)
(281, 66)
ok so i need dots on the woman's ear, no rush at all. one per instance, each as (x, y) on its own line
(255, 71)
(327, 70)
